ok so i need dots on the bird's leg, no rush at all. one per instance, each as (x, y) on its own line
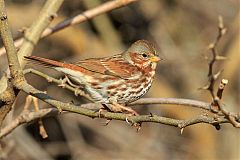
(106, 107)
(119, 107)
(77, 90)
(66, 79)
(132, 113)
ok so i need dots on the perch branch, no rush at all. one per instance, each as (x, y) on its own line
(28, 116)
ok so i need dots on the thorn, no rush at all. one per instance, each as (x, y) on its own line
(220, 58)
(181, 131)
(107, 122)
(151, 115)
(215, 76)
(220, 19)
(23, 30)
(217, 126)
(223, 31)
(206, 57)
(204, 87)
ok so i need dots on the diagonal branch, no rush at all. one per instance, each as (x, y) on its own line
(82, 17)
(33, 34)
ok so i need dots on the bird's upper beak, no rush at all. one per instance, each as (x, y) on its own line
(155, 59)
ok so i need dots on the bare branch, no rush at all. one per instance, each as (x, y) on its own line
(212, 77)
(89, 14)
(26, 117)
(60, 83)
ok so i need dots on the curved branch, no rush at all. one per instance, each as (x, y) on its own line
(176, 101)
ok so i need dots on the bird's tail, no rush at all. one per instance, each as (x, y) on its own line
(59, 66)
(44, 61)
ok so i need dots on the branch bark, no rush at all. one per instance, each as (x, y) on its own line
(28, 116)
(32, 37)
(8, 96)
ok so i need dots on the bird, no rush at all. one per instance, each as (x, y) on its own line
(115, 80)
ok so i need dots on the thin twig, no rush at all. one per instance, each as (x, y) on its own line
(82, 17)
(42, 130)
(76, 91)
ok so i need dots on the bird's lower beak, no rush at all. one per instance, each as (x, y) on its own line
(155, 59)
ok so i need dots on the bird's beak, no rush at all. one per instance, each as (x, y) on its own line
(155, 59)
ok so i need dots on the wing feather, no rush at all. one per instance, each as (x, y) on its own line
(114, 66)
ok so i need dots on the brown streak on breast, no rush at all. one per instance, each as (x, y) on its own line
(123, 89)
(136, 86)
(147, 71)
(143, 80)
(146, 85)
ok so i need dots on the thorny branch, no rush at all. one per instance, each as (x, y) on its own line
(28, 116)
(216, 104)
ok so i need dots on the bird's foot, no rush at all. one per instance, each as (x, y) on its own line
(122, 108)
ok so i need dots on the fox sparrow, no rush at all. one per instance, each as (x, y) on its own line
(115, 80)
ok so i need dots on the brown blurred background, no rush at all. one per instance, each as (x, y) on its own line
(182, 30)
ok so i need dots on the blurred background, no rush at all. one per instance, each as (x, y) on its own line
(182, 30)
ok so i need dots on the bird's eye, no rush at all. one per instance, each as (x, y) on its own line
(144, 55)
